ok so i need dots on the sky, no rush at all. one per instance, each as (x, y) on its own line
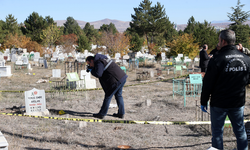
(178, 11)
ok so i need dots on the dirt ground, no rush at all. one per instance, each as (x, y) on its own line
(26, 133)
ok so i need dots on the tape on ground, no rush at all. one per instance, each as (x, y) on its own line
(122, 121)
(55, 91)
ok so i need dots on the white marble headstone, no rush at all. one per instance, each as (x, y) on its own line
(117, 55)
(35, 101)
(56, 73)
(86, 74)
(2, 63)
(25, 60)
(18, 62)
(13, 58)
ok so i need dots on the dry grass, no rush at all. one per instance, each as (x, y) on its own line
(41, 134)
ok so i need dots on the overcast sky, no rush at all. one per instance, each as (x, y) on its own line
(178, 11)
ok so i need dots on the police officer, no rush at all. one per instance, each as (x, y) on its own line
(225, 80)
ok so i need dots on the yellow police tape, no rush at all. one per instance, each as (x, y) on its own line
(122, 121)
(54, 91)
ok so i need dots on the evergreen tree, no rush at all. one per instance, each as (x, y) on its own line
(11, 25)
(242, 31)
(169, 32)
(151, 22)
(136, 41)
(2, 33)
(34, 26)
(83, 43)
(108, 28)
(203, 33)
(90, 32)
(238, 16)
(72, 27)
(190, 26)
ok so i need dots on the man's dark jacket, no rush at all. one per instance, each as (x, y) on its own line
(204, 58)
(226, 77)
(111, 78)
(214, 52)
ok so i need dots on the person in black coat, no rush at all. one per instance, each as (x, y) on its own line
(112, 79)
(204, 58)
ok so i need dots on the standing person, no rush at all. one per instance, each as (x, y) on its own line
(112, 79)
(225, 80)
(204, 58)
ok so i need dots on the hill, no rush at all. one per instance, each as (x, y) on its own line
(219, 24)
(121, 26)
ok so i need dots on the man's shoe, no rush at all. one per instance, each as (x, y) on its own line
(98, 116)
(118, 115)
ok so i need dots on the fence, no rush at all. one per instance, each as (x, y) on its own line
(186, 88)
(74, 67)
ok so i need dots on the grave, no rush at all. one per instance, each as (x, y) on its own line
(13, 58)
(73, 78)
(5, 71)
(2, 63)
(117, 57)
(3, 142)
(189, 87)
(24, 50)
(56, 73)
(36, 56)
(86, 76)
(35, 103)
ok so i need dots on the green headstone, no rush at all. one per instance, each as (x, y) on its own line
(195, 78)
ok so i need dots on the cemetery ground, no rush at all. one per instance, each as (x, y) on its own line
(44, 134)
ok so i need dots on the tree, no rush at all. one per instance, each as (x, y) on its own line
(108, 28)
(16, 41)
(238, 16)
(183, 44)
(72, 27)
(121, 44)
(203, 33)
(50, 35)
(91, 33)
(190, 29)
(170, 32)
(242, 31)
(150, 21)
(35, 47)
(11, 25)
(136, 42)
(2, 33)
(34, 26)
(107, 39)
(83, 43)
(68, 42)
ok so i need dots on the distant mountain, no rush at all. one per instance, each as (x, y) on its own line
(222, 24)
(121, 26)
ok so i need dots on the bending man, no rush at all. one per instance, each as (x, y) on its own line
(112, 79)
